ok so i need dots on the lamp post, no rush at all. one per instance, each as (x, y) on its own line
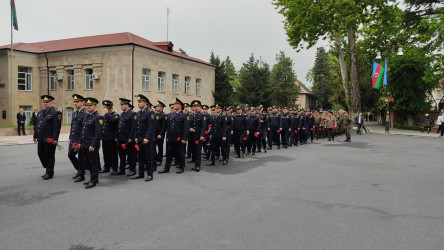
(387, 102)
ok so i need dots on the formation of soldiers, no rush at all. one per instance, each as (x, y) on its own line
(135, 140)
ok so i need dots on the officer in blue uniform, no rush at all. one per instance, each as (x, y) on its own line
(286, 127)
(46, 134)
(144, 135)
(177, 135)
(162, 120)
(303, 129)
(90, 143)
(239, 121)
(109, 144)
(218, 133)
(253, 128)
(263, 119)
(125, 143)
(75, 131)
(295, 124)
(275, 128)
(227, 143)
(196, 136)
(310, 125)
(206, 141)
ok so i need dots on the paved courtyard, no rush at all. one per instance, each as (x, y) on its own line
(377, 192)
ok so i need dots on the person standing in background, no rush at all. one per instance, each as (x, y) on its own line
(21, 118)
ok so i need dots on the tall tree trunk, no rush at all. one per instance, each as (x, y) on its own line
(355, 94)
(342, 66)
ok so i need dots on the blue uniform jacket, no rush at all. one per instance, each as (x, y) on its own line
(146, 126)
(218, 126)
(275, 121)
(110, 126)
(253, 124)
(48, 124)
(92, 130)
(178, 126)
(76, 125)
(127, 121)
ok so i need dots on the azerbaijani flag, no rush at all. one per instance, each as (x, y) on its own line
(14, 15)
(384, 83)
(378, 70)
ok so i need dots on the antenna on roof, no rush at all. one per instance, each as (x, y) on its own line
(168, 15)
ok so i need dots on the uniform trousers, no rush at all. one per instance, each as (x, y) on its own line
(284, 136)
(110, 155)
(196, 149)
(226, 144)
(46, 153)
(294, 136)
(159, 148)
(72, 155)
(330, 134)
(262, 140)
(302, 135)
(146, 157)
(274, 137)
(129, 152)
(238, 141)
(251, 143)
(347, 132)
(175, 149)
(216, 147)
(22, 126)
(311, 133)
(88, 160)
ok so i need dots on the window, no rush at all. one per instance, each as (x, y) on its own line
(53, 80)
(161, 82)
(89, 82)
(69, 112)
(187, 85)
(175, 84)
(146, 79)
(70, 79)
(28, 113)
(197, 87)
(24, 78)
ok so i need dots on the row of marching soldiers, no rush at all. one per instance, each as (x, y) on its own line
(191, 131)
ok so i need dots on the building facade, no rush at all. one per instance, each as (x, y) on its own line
(306, 99)
(104, 67)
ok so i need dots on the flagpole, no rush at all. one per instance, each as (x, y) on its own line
(168, 15)
(12, 64)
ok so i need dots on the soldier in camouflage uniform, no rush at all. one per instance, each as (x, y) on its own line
(347, 121)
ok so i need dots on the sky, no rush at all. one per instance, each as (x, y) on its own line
(234, 28)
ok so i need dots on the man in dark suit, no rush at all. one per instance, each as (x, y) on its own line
(21, 118)
(218, 133)
(178, 128)
(34, 116)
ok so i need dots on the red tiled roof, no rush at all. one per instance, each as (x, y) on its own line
(96, 41)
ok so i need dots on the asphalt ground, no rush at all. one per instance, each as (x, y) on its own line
(377, 192)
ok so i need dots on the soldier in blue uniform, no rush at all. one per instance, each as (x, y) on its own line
(286, 127)
(145, 138)
(196, 136)
(90, 143)
(239, 121)
(310, 125)
(177, 135)
(75, 131)
(275, 128)
(295, 123)
(162, 120)
(206, 142)
(125, 143)
(227, 143)
(253, 128)
(262, 139)
(46, 134)
(109, 144)
(303, 129)
(218, 133)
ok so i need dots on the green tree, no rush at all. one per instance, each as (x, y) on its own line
(183, 51)
(255, 88)
(232, 74)
(283, 80)
(307, 21)
(321, 78)
(223, 94)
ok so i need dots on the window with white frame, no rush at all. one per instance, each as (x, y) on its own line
(24, 78)
(198, 87)
(146, 73)
(89, 82)
(161, 82)
(52, 80)
(187, 85)
(69, 112)
(175, 84)
(70, 79)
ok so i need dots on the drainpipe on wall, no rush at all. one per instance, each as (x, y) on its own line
(132, 74)
(47, 71)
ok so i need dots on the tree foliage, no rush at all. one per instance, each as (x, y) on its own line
(255, 88)
(223, 94)
(321, 78)
(283, 80)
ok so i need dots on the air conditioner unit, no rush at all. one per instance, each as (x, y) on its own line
(95, 76)
(59, 76)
